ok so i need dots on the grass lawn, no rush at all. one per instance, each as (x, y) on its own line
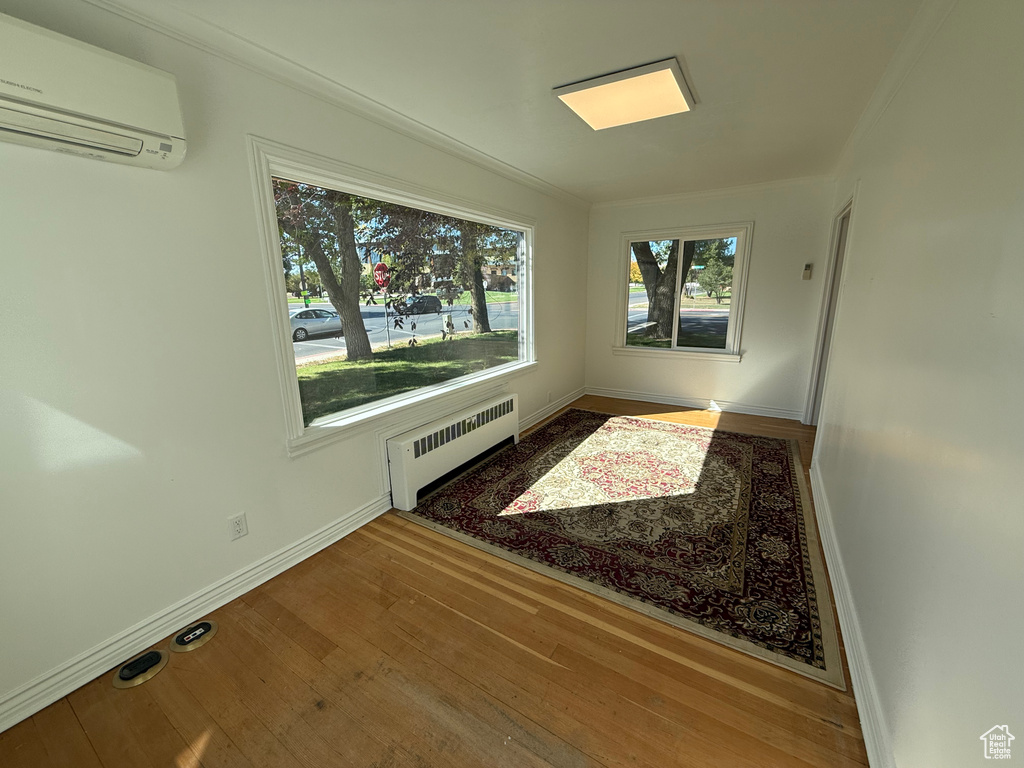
(700, 302)
(643, 340)
(491, 297)
(700, 339)
(705, 302)
(330, 387)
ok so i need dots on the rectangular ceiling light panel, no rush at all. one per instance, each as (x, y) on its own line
(630, 96)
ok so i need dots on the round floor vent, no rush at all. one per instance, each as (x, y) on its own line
(140, 669)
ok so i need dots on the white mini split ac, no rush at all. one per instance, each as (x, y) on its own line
(61, 94)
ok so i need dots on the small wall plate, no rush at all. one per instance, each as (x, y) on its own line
(193, 636)
(126, 675)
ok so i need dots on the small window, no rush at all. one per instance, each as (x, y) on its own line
(685, 289)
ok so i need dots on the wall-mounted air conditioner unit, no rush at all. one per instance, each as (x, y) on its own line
(58, 93)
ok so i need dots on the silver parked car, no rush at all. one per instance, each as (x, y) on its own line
(314, 322)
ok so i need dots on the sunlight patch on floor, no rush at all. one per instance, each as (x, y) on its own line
(192, 756)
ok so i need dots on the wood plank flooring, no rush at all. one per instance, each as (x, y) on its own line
(397, 647)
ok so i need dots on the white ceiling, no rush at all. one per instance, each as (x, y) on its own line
(779, 85)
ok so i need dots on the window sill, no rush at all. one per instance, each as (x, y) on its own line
(404, 412)
(678, 354)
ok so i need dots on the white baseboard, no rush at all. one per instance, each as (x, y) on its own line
(877, 739)
(25, 701)
(696, 402)
(539, 416)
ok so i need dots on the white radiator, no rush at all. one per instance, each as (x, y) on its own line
(422, 455)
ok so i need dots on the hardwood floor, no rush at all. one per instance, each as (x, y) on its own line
(399, 647)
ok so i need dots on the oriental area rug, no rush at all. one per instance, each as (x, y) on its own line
(706, 530)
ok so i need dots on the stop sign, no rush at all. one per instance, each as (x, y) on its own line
(381, 274)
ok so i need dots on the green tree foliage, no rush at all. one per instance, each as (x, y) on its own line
(318, 223)
(416, 244)
(367, 284)
(293, 283)
(723, 249)
(327, 229)
(429, 250)
(716, 278)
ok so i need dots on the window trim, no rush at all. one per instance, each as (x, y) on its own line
(269, 159)
(743, 231)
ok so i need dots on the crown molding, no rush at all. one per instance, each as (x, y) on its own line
(224, 44)
(930, 17)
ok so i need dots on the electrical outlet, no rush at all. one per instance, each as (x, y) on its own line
(238, 526)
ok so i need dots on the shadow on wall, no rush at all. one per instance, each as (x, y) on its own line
(789, 375)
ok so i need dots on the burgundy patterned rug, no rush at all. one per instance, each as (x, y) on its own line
(709, 531)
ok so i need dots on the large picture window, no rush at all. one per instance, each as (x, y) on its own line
(685, 289)
(388, 296)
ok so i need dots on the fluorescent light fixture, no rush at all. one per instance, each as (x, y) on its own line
(630, 96)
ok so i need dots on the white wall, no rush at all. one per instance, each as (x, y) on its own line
(780, 315)
(139, 399)
(921, 439)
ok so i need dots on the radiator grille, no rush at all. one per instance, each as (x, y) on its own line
(454, 431)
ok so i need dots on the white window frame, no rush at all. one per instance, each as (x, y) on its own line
(743, 232)
(270, 159)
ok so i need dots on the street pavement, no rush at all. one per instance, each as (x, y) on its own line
(695, 320)
(502, 316)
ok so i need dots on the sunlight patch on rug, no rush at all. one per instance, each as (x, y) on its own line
(623, 466)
